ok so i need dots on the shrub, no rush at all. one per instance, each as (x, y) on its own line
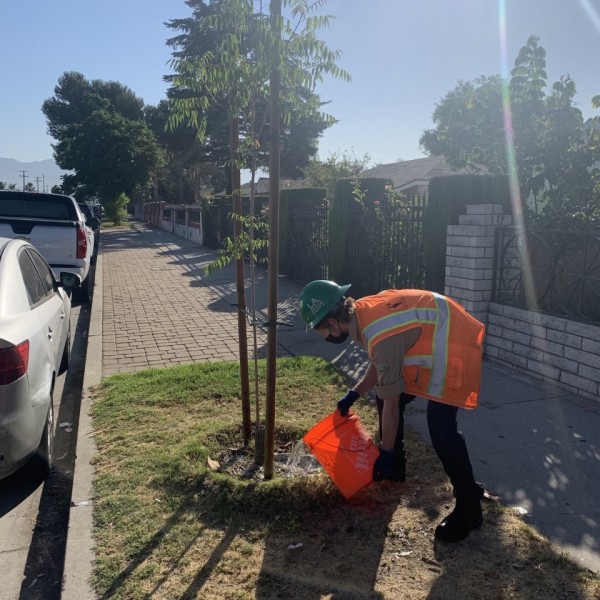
(116, 211)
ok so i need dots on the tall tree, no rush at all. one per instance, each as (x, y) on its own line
(468, 125)
(189, 170)
(555, 155)
(101, 137)
(571, 169)
(528, 107)
(201, 34)
(338, 165)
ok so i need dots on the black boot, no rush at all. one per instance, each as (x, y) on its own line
(465, 517)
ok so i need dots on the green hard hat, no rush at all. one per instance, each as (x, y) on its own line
(318, 298)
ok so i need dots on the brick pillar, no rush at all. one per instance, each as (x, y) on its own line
(470, 257)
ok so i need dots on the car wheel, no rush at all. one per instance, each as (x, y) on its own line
(44, 456)
(65, 361)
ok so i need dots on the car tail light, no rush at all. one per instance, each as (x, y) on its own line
(14, 362)
(81, 243)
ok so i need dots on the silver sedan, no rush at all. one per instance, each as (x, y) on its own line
(34, 350)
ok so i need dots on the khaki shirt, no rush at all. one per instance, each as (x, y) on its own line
(388, 358)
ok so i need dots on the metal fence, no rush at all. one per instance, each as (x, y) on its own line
(548, 270)
(307, 248)
(385, 246)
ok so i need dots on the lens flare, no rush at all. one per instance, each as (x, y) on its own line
(511, 161)
(592, 13)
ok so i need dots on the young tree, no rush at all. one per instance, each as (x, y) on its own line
(116, 210)
(234, 70)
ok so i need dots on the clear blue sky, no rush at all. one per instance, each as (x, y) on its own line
(403, 55)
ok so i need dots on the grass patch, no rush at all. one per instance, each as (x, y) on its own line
(168, 526)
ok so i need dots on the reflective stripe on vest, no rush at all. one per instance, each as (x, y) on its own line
(440, 347)
(437, 361)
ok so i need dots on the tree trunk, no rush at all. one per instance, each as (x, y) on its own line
(236, 194)
(274, 168)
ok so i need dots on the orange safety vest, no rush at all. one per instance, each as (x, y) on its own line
(445, 362)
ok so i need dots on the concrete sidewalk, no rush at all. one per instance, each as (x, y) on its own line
(535, 446)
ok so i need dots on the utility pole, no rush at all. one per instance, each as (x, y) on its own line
(23, 173)
(37, 184)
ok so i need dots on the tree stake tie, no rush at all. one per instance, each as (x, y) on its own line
(274, 324)
(263, 325)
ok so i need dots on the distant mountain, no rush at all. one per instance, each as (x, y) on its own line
(41, 173)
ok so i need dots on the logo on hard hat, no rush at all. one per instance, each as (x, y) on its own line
(315, 305)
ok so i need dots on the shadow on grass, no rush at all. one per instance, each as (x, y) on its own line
(149, 548)
(313, 546)
(175, 528)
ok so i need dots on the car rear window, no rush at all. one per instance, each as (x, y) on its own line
(87, 213)
(37, 209)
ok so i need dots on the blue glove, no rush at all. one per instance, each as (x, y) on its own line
(382, 469)
(347, 401)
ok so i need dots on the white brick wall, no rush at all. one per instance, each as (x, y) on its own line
(470, 257)
(559, 350)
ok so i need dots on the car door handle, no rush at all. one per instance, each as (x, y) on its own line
(50, 333)
(62, 316)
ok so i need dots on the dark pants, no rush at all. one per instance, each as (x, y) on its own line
(448, 443)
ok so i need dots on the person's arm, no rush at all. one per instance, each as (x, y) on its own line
(388, 358)
(368, 381)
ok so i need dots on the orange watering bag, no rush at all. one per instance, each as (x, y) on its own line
(345, 450)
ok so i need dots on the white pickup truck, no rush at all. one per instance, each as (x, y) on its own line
(54, 224)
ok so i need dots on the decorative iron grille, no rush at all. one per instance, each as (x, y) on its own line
(308, 241)
(549, 270)
(385, 245)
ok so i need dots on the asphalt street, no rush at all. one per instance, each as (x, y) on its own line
(34, 514)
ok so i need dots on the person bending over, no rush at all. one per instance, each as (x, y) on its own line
(419, 343)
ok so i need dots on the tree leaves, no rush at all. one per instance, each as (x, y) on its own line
(555, 151)
(225, 57)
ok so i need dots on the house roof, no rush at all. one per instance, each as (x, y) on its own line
(261, 186)
(409, 173)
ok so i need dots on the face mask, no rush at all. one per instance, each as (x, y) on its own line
(337, 339)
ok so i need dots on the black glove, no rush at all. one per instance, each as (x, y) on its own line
(347, 401)
(382, 469)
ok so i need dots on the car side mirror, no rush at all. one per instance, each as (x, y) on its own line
(69, 280)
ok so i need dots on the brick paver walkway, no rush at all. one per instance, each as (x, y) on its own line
(156, 310)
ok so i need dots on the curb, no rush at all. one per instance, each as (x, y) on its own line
(79, 553)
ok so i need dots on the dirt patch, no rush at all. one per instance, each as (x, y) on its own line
(291, 458)
(380, 544)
